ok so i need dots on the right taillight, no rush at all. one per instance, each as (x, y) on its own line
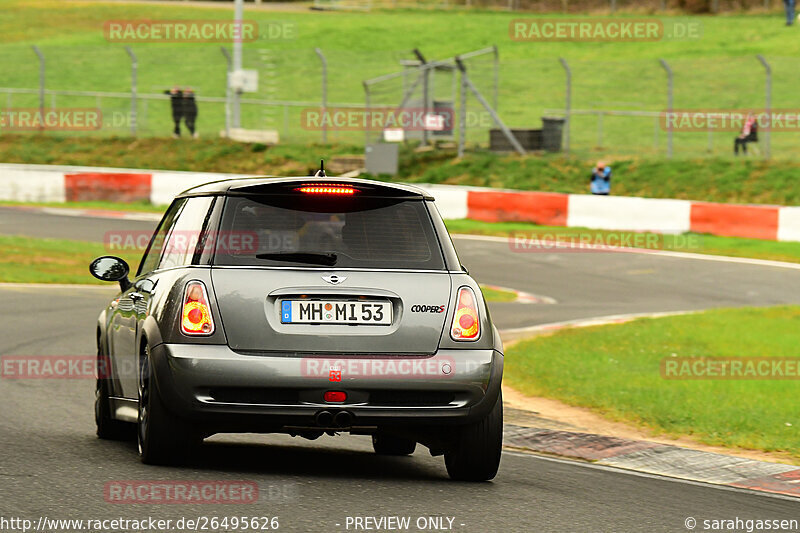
(466, 322)
(195, 313)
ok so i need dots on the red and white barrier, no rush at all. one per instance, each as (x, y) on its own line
(547, 209)
(789, 224)
(44, 183)
(31, 183)
(629, 213)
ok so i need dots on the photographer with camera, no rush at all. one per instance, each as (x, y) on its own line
(601, 179)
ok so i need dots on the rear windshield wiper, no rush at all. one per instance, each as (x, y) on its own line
(313, 258)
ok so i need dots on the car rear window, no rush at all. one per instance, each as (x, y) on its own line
(320, 231)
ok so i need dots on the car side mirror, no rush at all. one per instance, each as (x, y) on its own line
(110, 268)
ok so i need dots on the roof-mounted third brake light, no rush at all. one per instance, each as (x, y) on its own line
(338, 190)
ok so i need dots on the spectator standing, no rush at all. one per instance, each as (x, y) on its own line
(176, 102)
(601, 179)
(789, 5)
(190, 110)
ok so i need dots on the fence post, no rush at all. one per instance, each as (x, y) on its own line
(425, 88)
(486, 105)
(613, 6)
(669, 104)
(655, 134)
(285, 121)
(567, 103)
(229, 61)
(600, 129)
(462, 119)
(41, 83)
(134, 67)
(324, 93)
(238, 15)
(496, 75)
(768, 104)
(715, 6)
(367, 113)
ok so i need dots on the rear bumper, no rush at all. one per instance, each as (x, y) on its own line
(225, 391)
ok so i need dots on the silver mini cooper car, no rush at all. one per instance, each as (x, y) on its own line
(305, 306)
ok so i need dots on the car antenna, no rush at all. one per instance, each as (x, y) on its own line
(321, 172)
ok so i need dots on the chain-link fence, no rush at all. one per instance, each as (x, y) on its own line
(563, 6)
(621, 107)
(616, 107)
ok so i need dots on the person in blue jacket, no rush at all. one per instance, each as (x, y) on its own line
(601, 179)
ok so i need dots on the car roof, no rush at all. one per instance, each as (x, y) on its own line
(244, 185)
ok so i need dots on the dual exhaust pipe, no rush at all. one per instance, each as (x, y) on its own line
(326, 419)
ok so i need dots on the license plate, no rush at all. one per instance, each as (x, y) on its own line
(335, 312)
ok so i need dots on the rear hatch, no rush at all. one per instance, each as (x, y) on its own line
(330, 268)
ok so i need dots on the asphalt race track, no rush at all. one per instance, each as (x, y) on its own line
(54, 466)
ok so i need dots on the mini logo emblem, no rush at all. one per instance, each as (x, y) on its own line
(333, 279)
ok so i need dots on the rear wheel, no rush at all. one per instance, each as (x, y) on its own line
(163, 438)
(476, 453)
(386, 445)
(107, 426)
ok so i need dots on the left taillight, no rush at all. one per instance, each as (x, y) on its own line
(466, 325)
(196, 316)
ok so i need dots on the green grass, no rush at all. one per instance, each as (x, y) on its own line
(139, 207)
(493, 294)
(709, 179)
(719, 70)
(615, 371)
(202, 155)
(689, 242)
(26, 260)
(712, 179)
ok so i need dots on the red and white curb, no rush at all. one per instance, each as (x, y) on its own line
(90, 213)
(644, 456)
(560, 247)
(522, 297)
(44, 183)
(658, 459)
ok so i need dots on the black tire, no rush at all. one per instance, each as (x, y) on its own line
(107, 427)
(163, 438)
(475, 455)
(386, 445)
